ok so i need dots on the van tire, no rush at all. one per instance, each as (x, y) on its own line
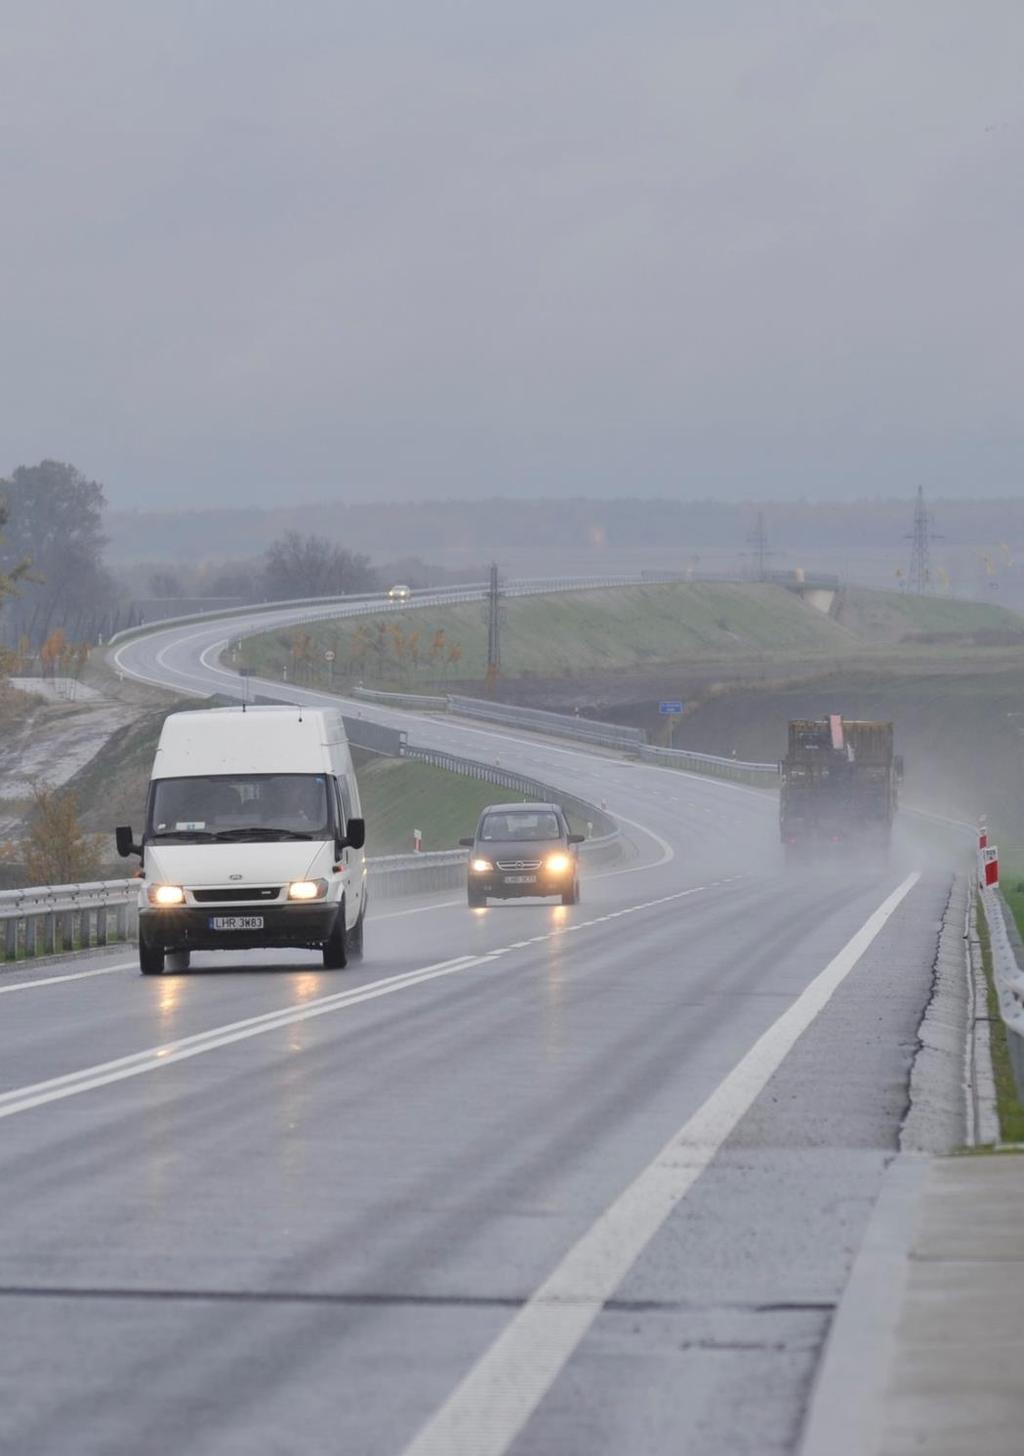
(355, 936)
(335, 947)
(151, 958)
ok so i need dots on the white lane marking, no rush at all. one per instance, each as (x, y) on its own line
(74, 976)
(492, 1404)
(21, 1099)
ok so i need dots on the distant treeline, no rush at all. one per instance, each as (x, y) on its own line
(389, 529)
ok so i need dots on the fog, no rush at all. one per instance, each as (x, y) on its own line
(257, 252)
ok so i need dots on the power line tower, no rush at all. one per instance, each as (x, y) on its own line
(493, 630)
(919, 578)
(758, 538)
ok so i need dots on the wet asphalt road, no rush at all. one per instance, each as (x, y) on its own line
(302, 1234)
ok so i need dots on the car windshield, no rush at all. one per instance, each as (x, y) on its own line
(542, 824)
(240, 806)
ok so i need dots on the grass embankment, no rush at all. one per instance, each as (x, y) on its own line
(617, 629)
(1008, 1103)
(397, 797)
(564, 634)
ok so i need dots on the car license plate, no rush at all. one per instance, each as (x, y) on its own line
(236, 922)
(520, 879)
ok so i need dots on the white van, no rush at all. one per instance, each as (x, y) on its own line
(253, 837)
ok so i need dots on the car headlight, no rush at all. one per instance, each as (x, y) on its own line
(480, 866)
(166, 895)
(307, 889)
(557, 864)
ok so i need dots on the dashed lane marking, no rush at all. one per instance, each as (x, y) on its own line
(103, 1074)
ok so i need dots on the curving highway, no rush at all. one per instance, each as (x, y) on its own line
(533, 1179)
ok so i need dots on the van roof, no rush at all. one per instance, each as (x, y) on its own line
(258, 740)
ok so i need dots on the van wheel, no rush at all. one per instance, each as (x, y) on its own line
(151, 958)
(336, 945)
(355, 937)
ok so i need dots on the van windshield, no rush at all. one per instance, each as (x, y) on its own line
(240, 806)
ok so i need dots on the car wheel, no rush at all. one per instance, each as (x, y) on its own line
(179, 960)
(336, 945)
(572, 895)
(476, 898)
(151, 958)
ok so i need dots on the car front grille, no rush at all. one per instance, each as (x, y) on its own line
(244, 892)
(519, 864)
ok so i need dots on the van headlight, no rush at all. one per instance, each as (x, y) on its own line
(557, 864)
(307, 889)
(480, 866)
(166, 895)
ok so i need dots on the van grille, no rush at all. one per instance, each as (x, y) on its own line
(246, 892)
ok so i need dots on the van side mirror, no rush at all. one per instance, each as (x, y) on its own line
(577, 838)
(467, 843)
(355, 833)
(125, 843)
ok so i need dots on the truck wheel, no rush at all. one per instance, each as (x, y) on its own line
(151, 958)
(336, 945)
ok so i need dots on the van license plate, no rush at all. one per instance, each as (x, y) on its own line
(236, 922)
(520, 879)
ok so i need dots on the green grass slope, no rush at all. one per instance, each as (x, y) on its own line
(572, 634)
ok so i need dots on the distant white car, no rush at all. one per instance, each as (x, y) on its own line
(399, 593)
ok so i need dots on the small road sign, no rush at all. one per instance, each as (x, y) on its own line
(674, 706)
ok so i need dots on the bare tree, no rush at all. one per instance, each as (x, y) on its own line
(310, 566)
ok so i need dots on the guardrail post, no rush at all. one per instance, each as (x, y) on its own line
(67, 930)
(31, 927)
(49, 920)
(101, 925)
(85, 927)
(11, 938)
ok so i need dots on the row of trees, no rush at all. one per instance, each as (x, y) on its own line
(53, 577)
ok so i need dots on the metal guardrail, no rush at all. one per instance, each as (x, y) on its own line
(540, 720)
(47, 919)
(425, 702)
(1009, 980)
(759, 774)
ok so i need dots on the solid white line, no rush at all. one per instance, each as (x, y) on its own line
(492, 1404)
(103, 1074)
(75, 976)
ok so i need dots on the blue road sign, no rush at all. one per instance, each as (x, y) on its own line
(673, 707)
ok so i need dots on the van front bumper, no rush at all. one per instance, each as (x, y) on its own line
(191, 927)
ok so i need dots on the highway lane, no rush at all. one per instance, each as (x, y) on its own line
(304, 1240)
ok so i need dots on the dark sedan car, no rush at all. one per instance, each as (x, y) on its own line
(523, 849)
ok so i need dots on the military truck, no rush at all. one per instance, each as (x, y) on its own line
(840, 783)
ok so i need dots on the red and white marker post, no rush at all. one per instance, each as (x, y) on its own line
(982, 833)
(988, 867)
(417, 841)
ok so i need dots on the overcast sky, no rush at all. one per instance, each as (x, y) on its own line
(286, 251)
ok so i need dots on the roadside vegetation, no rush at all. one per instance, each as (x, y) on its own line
(1008, 1104)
